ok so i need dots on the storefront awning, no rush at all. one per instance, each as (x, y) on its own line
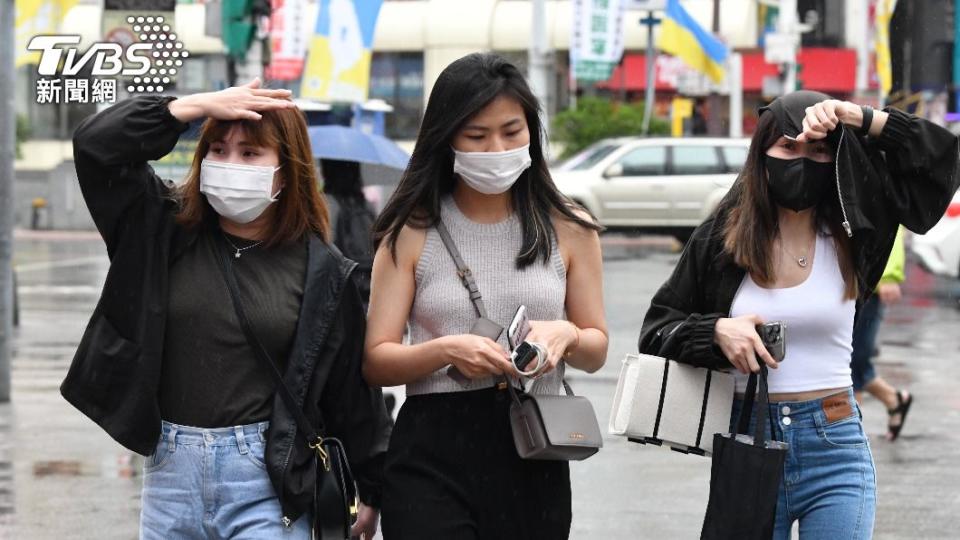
(828, 70)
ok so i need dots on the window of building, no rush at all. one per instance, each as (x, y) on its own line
(397, 78)
(826, 18)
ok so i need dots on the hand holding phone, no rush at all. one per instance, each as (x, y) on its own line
(774, 337)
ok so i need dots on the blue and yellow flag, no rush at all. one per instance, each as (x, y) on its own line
(338, 62)
(682, 37)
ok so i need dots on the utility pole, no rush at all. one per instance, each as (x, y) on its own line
(735, 79)
(787, 25)
(650, 21)
(714, 125)
(7, 152)
(538, 61)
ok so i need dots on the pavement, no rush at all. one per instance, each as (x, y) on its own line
(62, 477)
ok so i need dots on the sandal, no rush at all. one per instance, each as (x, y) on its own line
(902, 408)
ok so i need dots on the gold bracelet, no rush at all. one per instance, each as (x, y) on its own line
(576, 331)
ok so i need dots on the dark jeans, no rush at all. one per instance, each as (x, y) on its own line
(864, 341)
(452, 472)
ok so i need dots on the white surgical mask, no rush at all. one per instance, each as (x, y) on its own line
(491, 173)
(237, 192)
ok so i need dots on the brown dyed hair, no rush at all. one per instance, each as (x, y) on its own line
(300, 209)
(753, 225)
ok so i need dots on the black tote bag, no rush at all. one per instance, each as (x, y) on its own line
(745, 474)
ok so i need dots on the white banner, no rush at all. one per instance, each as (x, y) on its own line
(597, 30)
(289, 33)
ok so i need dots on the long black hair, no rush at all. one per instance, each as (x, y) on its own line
(462, 90)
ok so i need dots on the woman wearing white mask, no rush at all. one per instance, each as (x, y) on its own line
(478, 169)
(165, 365)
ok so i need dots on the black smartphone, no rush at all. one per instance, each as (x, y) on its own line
(523, 355)
(774, 337)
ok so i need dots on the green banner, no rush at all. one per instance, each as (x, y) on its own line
(587, 70)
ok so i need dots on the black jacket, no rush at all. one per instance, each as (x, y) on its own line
(115, 374)
(908, 176)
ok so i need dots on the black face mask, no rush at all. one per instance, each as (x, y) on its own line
(798, 184)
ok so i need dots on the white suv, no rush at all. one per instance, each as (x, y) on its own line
(664, 185)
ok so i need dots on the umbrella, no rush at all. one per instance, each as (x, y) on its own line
(350, 144)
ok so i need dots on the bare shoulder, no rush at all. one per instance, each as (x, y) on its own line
(571, 232)
(409, 246)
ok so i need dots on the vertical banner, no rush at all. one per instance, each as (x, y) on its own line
(884, 11)
(289, 31)
(596, 41)
(35, 17)
(338, 64)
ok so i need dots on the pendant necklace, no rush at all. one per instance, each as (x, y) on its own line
(238, 251)
(801, 261)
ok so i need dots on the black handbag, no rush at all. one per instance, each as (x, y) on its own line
(335, 491)
(544, 427)
(745, 474)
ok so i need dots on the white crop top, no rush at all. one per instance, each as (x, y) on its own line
(819, 324)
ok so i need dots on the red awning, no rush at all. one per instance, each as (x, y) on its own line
(825, 69)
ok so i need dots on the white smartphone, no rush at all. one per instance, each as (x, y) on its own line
(519, 328)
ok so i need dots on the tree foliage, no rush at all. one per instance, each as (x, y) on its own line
(597, 118)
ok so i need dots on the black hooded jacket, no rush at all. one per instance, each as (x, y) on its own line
(907, 175)
(114, 376)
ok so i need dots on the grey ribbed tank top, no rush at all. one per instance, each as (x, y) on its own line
(442, 307)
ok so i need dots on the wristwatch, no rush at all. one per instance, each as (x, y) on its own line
(867, 120)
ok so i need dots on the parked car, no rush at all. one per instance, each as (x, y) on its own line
(660, 185)
(939, 249)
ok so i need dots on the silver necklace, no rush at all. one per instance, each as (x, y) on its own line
(801, 261)
(238, 251)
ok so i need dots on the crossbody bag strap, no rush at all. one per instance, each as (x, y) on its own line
(466, 276)
(226, 268)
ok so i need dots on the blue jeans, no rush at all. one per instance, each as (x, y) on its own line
(212, 483)
(864, 341)
(829, 481)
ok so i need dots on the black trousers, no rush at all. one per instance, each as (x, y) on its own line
(452, 472)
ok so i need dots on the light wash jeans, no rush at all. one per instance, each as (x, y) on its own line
(212, 483)
(829, 481)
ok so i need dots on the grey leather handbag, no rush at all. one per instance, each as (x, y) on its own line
(554, 427)
(544, 426)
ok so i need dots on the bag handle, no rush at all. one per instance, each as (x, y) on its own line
(762, 406)
(314, 437)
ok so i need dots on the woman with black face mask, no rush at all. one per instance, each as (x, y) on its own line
(802, 238)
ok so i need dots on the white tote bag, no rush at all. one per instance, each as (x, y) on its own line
(663, 402)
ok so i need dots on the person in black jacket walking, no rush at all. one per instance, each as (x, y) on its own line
(164, 365)
(802, 238)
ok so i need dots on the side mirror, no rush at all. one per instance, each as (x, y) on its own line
(613, 171)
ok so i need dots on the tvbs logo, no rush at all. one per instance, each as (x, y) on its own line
(107, 57)
(146, 53)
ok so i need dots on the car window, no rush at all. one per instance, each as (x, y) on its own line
(589, 157)
(696, 160)
(645, 161)
(735, 157)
